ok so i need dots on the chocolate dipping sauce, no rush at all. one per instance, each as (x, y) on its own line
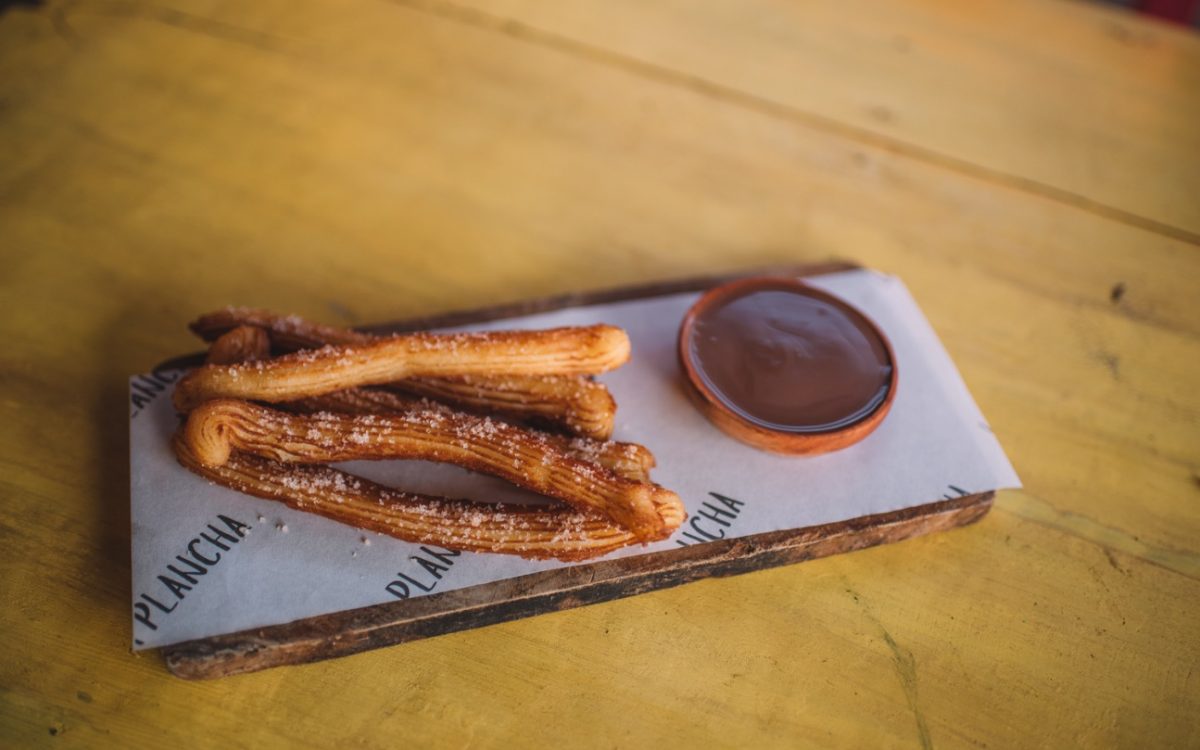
(791, 359)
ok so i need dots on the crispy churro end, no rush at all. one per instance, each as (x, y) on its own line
(212, 325)
(670, 509)
(182, 397)
(615, 342)
(241, 344)
(642, 516)
(206, 435)
(592, 411)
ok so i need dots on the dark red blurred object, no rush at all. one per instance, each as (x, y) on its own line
(1180, 11)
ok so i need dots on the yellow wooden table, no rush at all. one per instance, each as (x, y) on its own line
(1030, 168)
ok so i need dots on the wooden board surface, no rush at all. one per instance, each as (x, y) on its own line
(362, 161)
(350, 632)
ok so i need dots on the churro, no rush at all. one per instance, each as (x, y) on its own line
(630, 460)
(579, 404)
(524, 457)
(529, 531)
(576, 403)
(557, 351)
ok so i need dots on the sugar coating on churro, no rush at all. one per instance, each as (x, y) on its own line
(238, 345)
(534, 532)
(577, 404)
(559, 351)
(630, 460)
(334, 415)
(524, 457)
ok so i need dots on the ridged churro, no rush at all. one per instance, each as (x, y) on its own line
(524, 457)
(529, 531)
(557, 351)
(630, 460)
(237, 345)
(576, 403)
(581, 405)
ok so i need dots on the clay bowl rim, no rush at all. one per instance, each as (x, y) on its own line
(778, 441)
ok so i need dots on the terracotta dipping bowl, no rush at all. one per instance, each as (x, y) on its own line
(795, 352)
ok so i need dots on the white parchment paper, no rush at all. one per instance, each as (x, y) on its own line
(208, 560)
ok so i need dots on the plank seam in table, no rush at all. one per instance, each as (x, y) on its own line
(524, 32)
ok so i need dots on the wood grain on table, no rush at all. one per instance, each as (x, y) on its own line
(1030, 168)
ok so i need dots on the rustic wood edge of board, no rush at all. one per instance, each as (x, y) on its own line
(353, 631)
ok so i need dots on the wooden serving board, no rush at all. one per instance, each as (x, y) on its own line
(352, 631)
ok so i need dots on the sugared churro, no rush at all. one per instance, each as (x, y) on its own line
(630, 460)
(579, 404)
(523, 457)
(535, 532)
(559, 351)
